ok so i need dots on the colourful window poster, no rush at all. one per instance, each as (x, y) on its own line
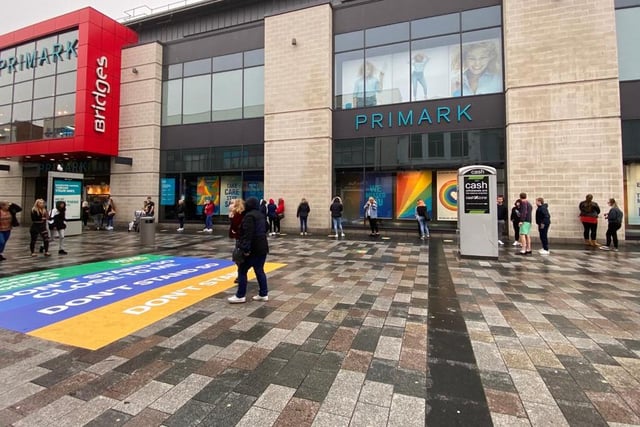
(208, 188)
(447, 182)
(633, 194)
(380, 187)
(230, 189)
(411, 186)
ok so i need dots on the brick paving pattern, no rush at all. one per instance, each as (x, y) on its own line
(392, 332)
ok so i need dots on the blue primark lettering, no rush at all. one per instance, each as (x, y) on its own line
(376, 119)
(408, 121)
(463, 112)
(57, 52)
(443, 112)
(12, 64)
(390, 122)
(72, 47)
(361, 119)
(30, 59)
(44, 57)
(424, 116)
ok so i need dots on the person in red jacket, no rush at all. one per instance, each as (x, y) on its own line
(279, 215)
(208, 216)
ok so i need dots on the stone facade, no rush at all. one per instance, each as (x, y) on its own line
(298, 91)
(140, 119)
(563, 107)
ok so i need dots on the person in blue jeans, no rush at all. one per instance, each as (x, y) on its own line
(253, 242)
(371, 214)
(543, 220)
(336, 209)
(303, 214)
(422, 216)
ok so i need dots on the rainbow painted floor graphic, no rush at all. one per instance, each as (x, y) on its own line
(92, 305)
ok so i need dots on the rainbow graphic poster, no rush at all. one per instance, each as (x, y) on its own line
(447, 182)
(411, 186)
(93, 305)
(208, 188)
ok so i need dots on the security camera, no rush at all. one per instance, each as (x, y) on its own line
(59, 168)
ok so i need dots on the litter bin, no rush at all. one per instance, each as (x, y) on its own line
(147, 231)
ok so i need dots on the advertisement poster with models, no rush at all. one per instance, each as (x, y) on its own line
(447, 182)
(633, 194)
(411, 186)
(432, 68)
(230, 189)
(380, 187)
(208, 189)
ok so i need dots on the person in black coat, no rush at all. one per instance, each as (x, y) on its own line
(303, 214)
(515, 221)
(543, 219)
(58, 223)
(253, 243)
(502, 219)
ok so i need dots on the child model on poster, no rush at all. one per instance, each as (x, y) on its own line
(418, 64)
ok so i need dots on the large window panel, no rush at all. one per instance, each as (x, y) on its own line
(253, 58)
(254, 92)
(348, 68)
(387, 34)
(628, 32)
(194, 68)
(48, 67)
(227, 62)
(42, 128)
(435, 67)
(5, 76)
(69, 59)
(481, 18)
(23, 91)
(386, 76)
(197, 92)
(25, 73)
(172, 102)
(21, 123)
(349, 41)
(437, 25)
(43, 88)
(65, 83)
(65, 105)
(227, 95)
(43, 108)
(6, 94)
(5, 123)
(64, 127)
(481, 62)
(174, 71)
(348, 153)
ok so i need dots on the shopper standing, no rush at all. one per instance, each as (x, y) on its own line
(208, 216)
(614, 221)
(515, 222)
(371, 213)
(543, 220)
(589, 211)
(253, 242)
(525, 224)
(110, 213)
(422, 216)
(502, 219)
(58, 224)
(39, 219)
(5, 226)
(272, 216)
(279, 215)
(336, 209)
(303, 214)
(180, 214)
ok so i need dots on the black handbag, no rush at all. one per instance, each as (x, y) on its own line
(237, 256)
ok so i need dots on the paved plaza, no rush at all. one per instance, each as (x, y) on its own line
(356, 332)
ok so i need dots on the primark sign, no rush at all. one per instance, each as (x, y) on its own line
(58, 52)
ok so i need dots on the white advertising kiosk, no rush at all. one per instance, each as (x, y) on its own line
(67, 187)
(477, 212)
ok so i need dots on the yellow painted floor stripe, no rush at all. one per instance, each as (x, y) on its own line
(97, 328)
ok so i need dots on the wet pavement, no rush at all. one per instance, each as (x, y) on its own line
(357, 331)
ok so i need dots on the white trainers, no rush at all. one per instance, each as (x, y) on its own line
(302, 233)
(235, 300)
(259, 298)
(180, 229)
(516, 243)
(543, 252)
(342, 235)
(500, 242)
(605, 248)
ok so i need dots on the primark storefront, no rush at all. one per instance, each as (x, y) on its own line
(317, 98)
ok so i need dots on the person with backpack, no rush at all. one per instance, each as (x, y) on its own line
(303, 215)
(614, 219)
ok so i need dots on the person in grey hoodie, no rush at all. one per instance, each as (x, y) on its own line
(614, 219)
(543, 220)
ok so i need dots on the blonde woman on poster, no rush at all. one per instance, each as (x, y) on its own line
(482, 70)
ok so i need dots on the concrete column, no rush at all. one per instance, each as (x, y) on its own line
(297, 118)
(563, 107)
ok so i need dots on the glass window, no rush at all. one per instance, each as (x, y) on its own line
(227, 95)
(445, 24)
(65, 105)
(254, 57)
(65, 83)
(195, 160)
(64, 127)
(5, 123)
(435, 67)
(43, 108)
(630, 139)
(254, 92)
(197, 90)
(436, 145)
(172, 102)
(46, 67)
(628, 41)
(349, 66)
(227, 62)
(194, 68)
(387, 34)
(349, 41)
(42, 129)
(22, 112)
(485, 145)
(417, 152)
(348, 152)
(6, 94)
(387, 76)
(43, 88)
(459, 145)
(481, 18)
(626, 3)
(5, 76)
(24, 71)
(70, 55)
(481, 62)
(23, 91)
(174, 71)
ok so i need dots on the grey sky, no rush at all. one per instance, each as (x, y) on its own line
(22, 13)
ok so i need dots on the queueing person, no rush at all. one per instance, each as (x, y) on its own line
(180, 213)
(336, 209)
(371, 214)
(614, 222)
(422, 216)
(39, 218)
(515, 221)
(272, 216)
(502, 219)
(236, 214)
(58, 224)
(543, 220)
(5, 226)
(589, 211)
(525, 224)
(253, 242)
(279, 215)
(208, 216)
(303, 215)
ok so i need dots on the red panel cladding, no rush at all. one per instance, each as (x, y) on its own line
(100, 42)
